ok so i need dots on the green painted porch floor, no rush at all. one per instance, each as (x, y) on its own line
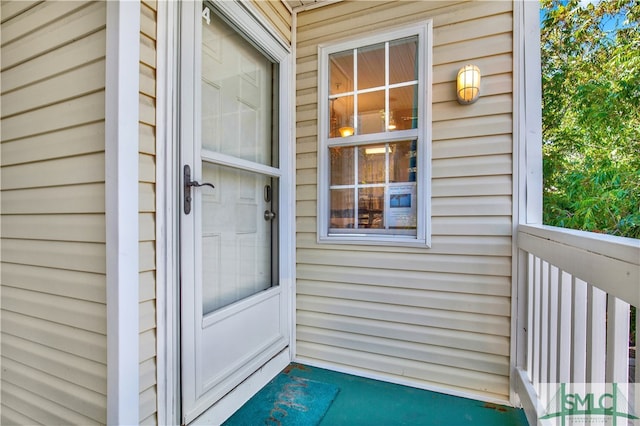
(362, 401)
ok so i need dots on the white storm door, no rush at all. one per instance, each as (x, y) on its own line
(234, 312)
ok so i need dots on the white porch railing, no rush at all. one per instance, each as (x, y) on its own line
(574, 298)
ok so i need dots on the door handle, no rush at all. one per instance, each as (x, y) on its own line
(188, 183)
(269, 215)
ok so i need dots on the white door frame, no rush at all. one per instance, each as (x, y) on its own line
(169, 202)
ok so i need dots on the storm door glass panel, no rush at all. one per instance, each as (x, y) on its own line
(237, 95)
(236, 238)
(238, 99)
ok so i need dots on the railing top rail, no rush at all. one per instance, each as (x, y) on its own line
(608, 262)
(621, 248)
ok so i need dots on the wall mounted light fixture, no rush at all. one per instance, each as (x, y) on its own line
(468, 84)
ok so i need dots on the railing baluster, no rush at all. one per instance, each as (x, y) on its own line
(544, 322)
(636, 375)
(537, 335)
(554, 323)
(530, 303)
(617, 341)
(597, 332)
(618, 344)
(564, 331)
(579, 332)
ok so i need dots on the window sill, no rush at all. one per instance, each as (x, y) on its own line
(369, 240)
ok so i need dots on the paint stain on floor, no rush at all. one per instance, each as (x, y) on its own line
(362, 401)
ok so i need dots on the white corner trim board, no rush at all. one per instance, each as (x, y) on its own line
(121, 187)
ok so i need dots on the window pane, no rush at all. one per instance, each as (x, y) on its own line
(341, 72)
(403, 103)
(341, 117)
(371, 164)
(370, 112)
(402, 161)
(342, 208)
(342, 164)
(371, 66)
(403, 60)
(371, 208)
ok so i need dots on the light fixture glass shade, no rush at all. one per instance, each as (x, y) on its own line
(468, 84)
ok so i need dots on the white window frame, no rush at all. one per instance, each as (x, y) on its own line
(422, 238)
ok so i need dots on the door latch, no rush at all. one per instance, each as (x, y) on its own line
(188, 183)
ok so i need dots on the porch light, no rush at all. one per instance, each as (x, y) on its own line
(468, 86)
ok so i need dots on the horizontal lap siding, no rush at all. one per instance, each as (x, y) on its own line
(277, 14)
(147, 217)
(437, 317)
(53, 223)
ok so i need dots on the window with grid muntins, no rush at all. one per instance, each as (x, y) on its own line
(374, 153)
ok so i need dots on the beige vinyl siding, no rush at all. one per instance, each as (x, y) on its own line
(147, 218)
(437, 317)
(53, 326)
(277, 13)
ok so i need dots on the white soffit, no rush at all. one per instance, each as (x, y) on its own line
(306, 4)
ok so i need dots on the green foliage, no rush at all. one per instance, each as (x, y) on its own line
(591, 115)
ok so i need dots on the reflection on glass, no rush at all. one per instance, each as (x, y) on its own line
(236, 240)
(341, 165)
(371, 66)
(371, 112)
(385, 184)
(342, 208)
(340, 115)
(371, 115)
(371, 164)
(371, 208)
(401, 158)
(403, 103)
(341, 72)
(237, 95)
(403, 55)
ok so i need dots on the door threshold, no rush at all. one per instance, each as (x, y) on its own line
(231, 402)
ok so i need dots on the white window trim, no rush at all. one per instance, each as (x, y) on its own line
(424, 31)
